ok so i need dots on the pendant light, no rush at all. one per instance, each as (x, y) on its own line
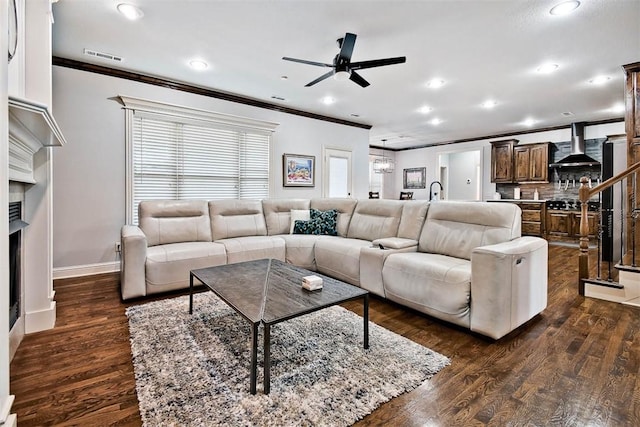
(383, 164)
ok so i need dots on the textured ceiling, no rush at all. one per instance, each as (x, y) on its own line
(482, 49)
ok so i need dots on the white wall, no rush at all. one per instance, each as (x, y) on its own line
(429, 156)
(89, 171)
(5, 400)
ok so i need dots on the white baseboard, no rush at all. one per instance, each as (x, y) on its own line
(85, 270)
(36, 321)
(6, 418)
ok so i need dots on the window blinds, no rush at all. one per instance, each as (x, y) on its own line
(182, 158)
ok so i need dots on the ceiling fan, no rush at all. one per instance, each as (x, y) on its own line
(343, 68)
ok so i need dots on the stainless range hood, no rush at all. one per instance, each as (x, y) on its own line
(577, 156)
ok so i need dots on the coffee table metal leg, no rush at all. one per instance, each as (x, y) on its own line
(190, 293)
(366, 321)
(267, 358)
(254, 358)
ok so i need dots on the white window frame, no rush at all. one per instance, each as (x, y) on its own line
(187, 115)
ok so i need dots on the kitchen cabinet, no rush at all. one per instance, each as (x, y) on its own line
(632, 107)
(559, 223)
(502, 160)
(519, 164)
(533, 216)
(531, 162)
(565, 225)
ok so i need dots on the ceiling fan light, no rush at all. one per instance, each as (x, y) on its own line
(342, 75)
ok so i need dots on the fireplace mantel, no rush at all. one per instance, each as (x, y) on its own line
(31, 127)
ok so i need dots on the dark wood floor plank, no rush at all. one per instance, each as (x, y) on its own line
(575, 364)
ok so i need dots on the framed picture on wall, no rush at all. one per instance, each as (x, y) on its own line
(298, 170)
(414, 178)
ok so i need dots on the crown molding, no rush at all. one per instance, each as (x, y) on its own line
(198, 90)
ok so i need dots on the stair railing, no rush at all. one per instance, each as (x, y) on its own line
(586, 193)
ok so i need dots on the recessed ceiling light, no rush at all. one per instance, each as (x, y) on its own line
(567, 113)
(327, 100)
(277, 98)
(425, 109)
(355, 115)
(198, 64)
(490, 103)
(130, 11)
(564, 8)
(529, 122)
(435, 83)
(436, 121)
(547, 68)
(599, 80)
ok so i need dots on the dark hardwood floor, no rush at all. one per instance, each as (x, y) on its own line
(576, 364)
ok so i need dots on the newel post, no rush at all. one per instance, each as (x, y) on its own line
(583, 262)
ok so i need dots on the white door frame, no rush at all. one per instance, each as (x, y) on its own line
(339, 152)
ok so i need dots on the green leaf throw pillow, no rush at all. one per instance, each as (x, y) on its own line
(321, 223)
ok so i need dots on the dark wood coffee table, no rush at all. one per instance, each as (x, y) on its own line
(269, 291)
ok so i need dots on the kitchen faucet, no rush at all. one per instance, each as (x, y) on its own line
(431, 193)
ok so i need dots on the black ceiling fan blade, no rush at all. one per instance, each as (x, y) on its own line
(377, 63)
(346, 50)
(321, 78)
(304, 61)
(357, 78)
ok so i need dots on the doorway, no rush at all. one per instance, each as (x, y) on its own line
(461, 175)
(336, 173)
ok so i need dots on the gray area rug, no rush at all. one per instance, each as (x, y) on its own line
(194, 370)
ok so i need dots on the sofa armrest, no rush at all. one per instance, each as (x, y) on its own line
(133, 244)
(508, 284)
(371, 263)
(394, 243)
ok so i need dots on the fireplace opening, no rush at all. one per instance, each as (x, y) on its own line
(15, 240)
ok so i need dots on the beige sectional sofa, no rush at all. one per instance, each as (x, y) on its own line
(462, 262)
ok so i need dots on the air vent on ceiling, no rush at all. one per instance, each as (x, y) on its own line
(567, 113)
(103, 55)
(279, 98)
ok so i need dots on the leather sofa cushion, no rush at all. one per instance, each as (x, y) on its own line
(340, 258)
(236, 218)
(435, 284)
(167, 266)
(277, 213)
(300, 249)
(250, 248)
(344, 207)
(456, 228)
(414, 213)
(375, 219)
(174, 221)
